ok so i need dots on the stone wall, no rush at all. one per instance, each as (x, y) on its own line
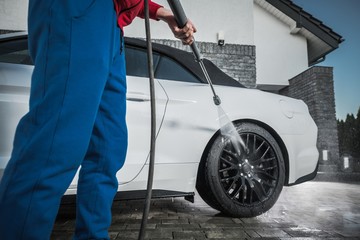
(315, 87)
(238, 61)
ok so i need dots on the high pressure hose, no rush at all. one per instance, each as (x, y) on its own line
(153, 123)
(181, 21)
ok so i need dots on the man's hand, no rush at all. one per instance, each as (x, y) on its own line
(185, 34)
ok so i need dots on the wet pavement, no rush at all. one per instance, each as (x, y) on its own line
(312, 210)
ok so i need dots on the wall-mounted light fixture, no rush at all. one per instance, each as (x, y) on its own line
(325, 155)
(221, 38)
(346, 162)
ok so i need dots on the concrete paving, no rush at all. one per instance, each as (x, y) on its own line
(312, 210)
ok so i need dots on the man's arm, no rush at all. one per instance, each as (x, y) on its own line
(185, 34)
(158, 12)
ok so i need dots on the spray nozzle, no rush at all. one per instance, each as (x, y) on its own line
(217, 100)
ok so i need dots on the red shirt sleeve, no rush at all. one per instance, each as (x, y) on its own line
(127, 10)
(153, 7)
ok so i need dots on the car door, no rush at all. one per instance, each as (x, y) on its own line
(139, 113)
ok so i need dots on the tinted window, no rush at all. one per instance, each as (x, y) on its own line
(20, 57)
(164, 67)
(15, 51)
(136, 62)
(171, 70)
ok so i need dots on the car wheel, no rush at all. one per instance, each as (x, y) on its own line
(245, 183)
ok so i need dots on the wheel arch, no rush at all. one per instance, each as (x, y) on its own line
(261, 124)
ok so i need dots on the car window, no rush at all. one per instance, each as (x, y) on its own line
(136, 62)
(171, 70)
(19, 57)
(164, 67)
(15, 52)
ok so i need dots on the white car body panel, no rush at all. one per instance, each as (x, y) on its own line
(202, 120)
(186, 119)
(14, 98)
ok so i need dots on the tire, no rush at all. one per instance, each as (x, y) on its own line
(243, 183)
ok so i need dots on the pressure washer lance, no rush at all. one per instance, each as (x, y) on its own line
(181, 21)
(227, 127)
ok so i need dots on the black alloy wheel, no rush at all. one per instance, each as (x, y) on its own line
(243, 183)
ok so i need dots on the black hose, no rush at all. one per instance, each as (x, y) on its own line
(153, 123)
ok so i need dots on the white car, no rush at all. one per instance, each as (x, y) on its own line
(191, 153)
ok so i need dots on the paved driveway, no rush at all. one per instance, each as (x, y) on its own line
(313, 210)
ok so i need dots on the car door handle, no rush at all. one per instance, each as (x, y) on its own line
(137, 97)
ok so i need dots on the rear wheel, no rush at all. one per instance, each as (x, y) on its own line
(243, 183)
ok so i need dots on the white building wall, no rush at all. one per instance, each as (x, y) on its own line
(233, 17)
(13, 14)
(279, 55)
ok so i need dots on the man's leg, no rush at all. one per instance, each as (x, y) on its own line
(71, 43)
(106, 154)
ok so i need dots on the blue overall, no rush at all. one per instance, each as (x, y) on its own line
(76, 118)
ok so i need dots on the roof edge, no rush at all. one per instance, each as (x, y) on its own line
(306, 20)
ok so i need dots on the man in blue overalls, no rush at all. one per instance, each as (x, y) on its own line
(76, 117)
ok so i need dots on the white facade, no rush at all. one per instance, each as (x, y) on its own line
(13, 14)
(235, 19)
(280, 55)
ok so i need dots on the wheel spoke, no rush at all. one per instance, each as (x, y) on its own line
(268, 159)
(261, 172)
(232, 184)
(228, 161)
(263, 182)
(269, 168)
(251, 196)
(228, 178)
(254, 146)
(262, 160)
(239, 188)
(231, 154)
(268, 184)
(243, 144)
(259, 191)
(244, 191)
(247, 140)
(266, 151)
(258, 148)
(226, 169)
